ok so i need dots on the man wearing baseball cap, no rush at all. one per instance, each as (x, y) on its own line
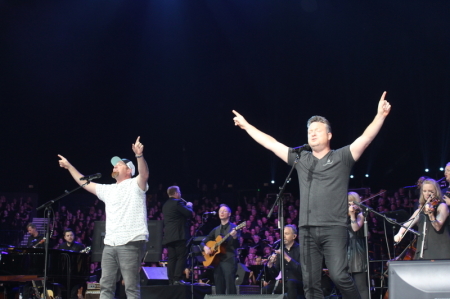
(126, 221)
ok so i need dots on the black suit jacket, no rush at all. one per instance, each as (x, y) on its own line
(176, 216)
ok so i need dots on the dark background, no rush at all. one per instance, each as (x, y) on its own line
(85, 78)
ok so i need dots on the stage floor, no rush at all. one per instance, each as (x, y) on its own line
(185, 292)
(174, 292)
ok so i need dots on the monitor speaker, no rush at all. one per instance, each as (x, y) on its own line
(154, 276)
(419, 279)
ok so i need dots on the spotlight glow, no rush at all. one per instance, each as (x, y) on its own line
(441, 169)
(272, 181)
(367, 175)
(351, 176)
(427, 170)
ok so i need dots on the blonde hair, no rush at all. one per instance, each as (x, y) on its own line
(353, 196)
(438, 193)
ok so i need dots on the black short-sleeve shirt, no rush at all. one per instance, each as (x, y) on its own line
(323, 187)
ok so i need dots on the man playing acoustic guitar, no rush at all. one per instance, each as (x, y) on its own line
(226, 266)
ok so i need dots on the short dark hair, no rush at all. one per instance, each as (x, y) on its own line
(172, 190)
(32, 225)
(68, 230)
(293, 227)
(319, 119)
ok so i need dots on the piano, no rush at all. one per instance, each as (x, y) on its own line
(64, 267)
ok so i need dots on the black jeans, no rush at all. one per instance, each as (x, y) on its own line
(224, 277)
(329, 242)
(360, 279)
(176, 262)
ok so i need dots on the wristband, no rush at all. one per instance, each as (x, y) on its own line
(139, 156)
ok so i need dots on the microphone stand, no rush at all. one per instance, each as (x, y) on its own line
(191, 253)
(392, 221)
(366, 236)
(47, 207)
(279, 202)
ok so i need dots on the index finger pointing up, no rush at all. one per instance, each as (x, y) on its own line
(137, 140)
(236, 113)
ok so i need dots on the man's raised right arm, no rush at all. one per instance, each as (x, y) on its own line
(76, 174)
(262, 138)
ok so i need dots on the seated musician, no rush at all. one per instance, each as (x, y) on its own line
(35, 240)
(292, 268)
(70, 244)
(225, 270)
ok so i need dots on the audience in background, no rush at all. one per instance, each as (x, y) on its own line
(258, 238)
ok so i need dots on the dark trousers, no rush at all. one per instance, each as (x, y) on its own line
(176, 262)
(329, 242)
(293, 289)
(360, 279)
(225, 277)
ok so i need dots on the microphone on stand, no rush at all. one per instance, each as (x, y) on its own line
(91, 177)
(299, 149)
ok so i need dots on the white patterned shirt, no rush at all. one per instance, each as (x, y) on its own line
(126, 212)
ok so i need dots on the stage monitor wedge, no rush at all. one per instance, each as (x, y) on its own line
(424, 279)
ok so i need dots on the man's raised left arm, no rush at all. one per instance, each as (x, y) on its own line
(138, 149)
(358, 147)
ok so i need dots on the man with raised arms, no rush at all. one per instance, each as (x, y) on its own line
(323, 176)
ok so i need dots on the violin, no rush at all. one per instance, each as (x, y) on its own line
(434, 202)
(358, 209)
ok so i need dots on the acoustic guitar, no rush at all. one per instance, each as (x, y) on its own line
(216, 248)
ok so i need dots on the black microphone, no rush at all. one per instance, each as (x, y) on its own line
(299, 149)
(91, 177)
(210, 213)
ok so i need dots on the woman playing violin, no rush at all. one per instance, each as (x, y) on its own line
(434, 217)
(356, 251)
